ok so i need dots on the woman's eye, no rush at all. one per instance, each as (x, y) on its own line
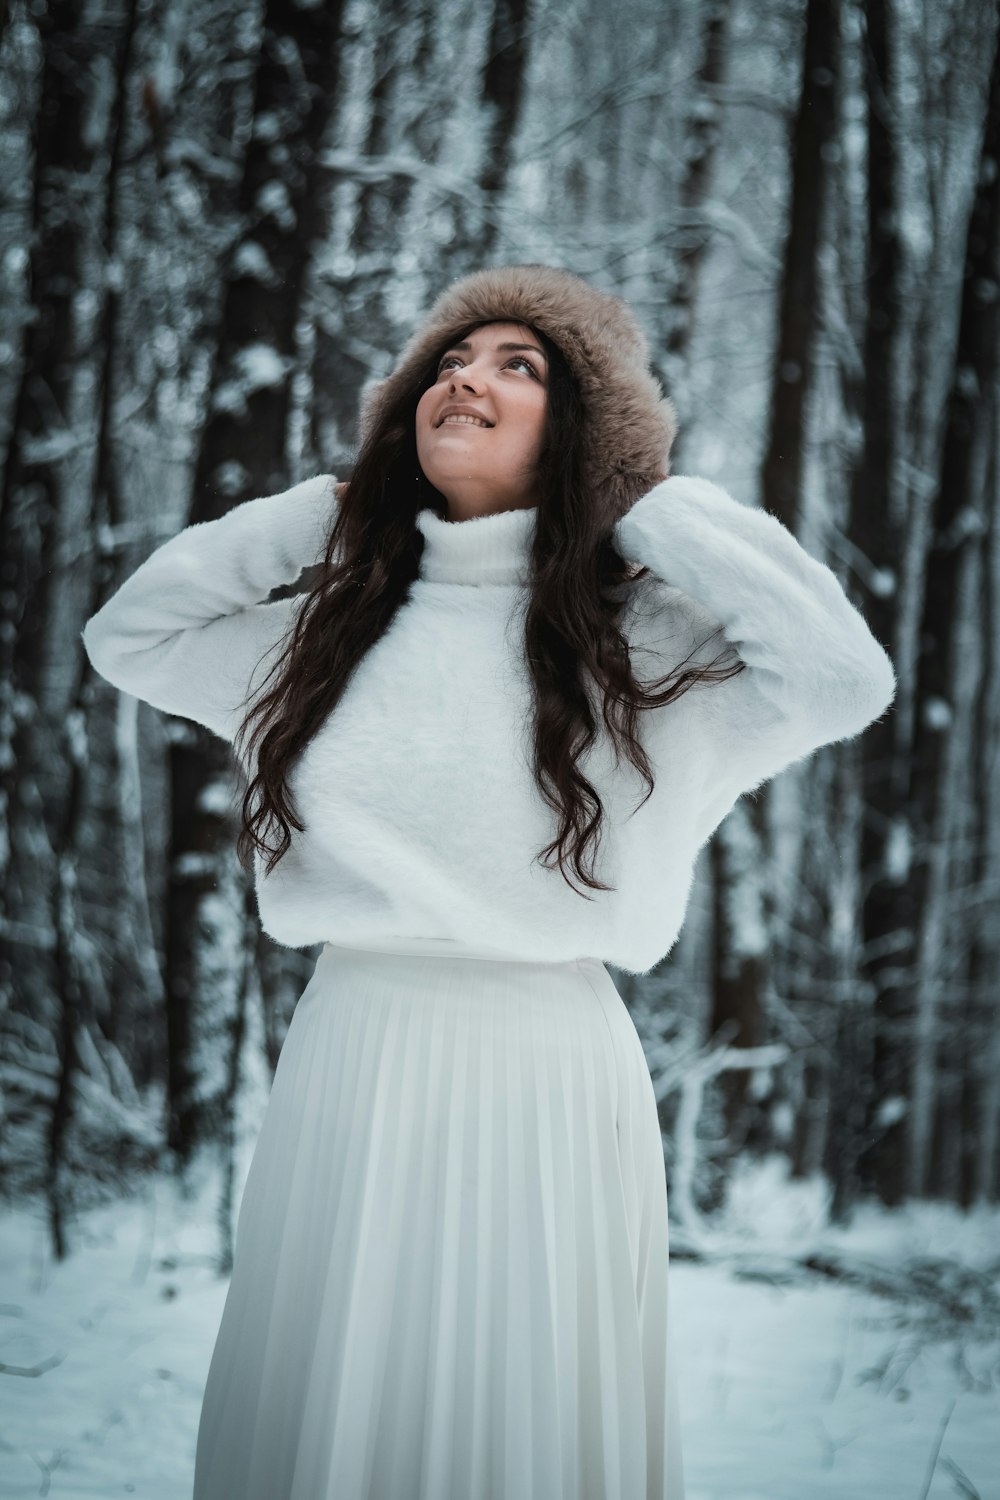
(519, 359)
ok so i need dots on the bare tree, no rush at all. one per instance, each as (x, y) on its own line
(739, 850)
(980, 1172)
(701, 145)
(243, 452)
(33, 494)
(873, 532)
(960, 508)
(47, 765)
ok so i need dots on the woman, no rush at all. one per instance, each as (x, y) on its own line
(450, 1277)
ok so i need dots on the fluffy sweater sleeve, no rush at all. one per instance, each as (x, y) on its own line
(814, 672)
(186, 631)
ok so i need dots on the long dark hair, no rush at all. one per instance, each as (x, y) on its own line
(572, 638)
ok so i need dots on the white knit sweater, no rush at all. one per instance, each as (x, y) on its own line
(423, 817)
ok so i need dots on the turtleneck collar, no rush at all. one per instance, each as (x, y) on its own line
(495, 548)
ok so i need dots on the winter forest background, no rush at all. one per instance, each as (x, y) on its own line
(218, 221)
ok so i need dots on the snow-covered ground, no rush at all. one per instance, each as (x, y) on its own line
(809, 1393)
(794, 1385)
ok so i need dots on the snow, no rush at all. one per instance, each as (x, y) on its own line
(215, 798)
(882, 582)
(898, 850)
(267, 125)
(890, 1111)
(257, 367)
(260, 366)
(231, 477)
(252, 262)
(792, 1386)
(811, 1393)
(273, 199)
(937, 713)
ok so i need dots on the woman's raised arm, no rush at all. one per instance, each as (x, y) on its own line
(814, 671)
(187, 629)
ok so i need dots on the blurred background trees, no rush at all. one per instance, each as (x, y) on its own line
(218, 222)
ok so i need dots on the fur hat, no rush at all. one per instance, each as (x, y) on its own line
(630, 423)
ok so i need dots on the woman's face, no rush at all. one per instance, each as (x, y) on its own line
(481, 425)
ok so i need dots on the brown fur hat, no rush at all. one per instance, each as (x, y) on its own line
(631, 424)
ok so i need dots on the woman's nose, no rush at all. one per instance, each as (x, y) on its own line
(466, 376)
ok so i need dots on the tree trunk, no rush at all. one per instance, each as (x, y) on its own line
(791, 379)
(503, 82)
(701, 143)
(39, 730)
(352, 320)
(742, 982)
(961, 503)
(132, 986)
(242, 454)
(739, 961)
(32, 781)
(872, 531)
(981, 1094)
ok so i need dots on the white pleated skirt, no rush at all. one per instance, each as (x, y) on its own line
(450, 1270)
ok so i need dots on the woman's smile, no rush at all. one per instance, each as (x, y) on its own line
(462, 420)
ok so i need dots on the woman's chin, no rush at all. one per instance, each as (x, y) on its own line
(458, 450)
(459, 474)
